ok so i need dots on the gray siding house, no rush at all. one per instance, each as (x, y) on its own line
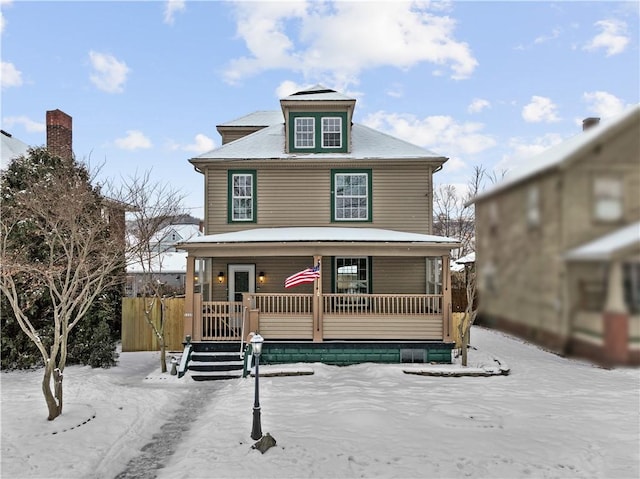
(558, 245)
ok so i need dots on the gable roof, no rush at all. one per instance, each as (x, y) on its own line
(605, 247)
(268, 143)
(559, 155)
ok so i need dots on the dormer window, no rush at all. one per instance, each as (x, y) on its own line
(332, 132)
(305, 132)
(318, 132)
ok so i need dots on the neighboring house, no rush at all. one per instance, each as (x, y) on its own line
(10, 148)
(558, 245)
(306, 187)
(167, 265)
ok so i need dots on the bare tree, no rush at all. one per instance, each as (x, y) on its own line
(79, 255)
(152, 207)
(470, 313)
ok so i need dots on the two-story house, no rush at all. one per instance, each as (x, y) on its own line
(558, 245)
(303, 188)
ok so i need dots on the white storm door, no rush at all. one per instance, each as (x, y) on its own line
(242, 279)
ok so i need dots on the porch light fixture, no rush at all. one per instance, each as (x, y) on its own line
(256, 345)
(221, 277)
(261, 276)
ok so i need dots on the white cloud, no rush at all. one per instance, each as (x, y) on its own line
(613, 37)
(521, 150)
(202, 144)
(353, 35)
(109, 74)
(546, 38)
(10, 75)
(28, 124)
(604, 104)
(540, 109)
(289, 87)
(441, 134)
(171, 8)
(134, 140)
(395, 91)
(477, 105)
(3, 22)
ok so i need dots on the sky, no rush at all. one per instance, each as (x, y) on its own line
(550, 417)
(486, 84)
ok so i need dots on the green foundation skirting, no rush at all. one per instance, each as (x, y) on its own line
(342, 354)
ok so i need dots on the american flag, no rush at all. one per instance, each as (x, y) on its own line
(308, 275)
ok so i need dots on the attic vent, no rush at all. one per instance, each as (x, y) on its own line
(313, 92)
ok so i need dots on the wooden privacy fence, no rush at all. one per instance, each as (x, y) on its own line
(137, 334)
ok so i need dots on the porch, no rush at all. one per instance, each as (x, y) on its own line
(322, 317)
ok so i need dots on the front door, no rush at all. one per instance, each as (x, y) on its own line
(242, 279)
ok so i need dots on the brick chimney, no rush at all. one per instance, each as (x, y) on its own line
(59, 134)
(589, 122)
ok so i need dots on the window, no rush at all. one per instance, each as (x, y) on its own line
(317, 132)
(305, 132)
(352, 275)
(332, 132)
(533, 206)
(632, 287)
(242, 196)
(607, 195)
(351, 195)
(434, 275)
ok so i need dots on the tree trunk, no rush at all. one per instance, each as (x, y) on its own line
(55, 408)
(163, 356)
(465, 344)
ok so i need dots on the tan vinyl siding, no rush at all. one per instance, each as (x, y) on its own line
(382, 327)
(300, 195)
(399, 275)
(278, 326)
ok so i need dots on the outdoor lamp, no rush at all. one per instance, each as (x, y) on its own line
(256, 346)
(220, 277)
(261, 277)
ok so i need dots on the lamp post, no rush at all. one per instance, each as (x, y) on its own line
(256, 345)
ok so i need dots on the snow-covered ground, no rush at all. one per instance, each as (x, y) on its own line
(551, 417)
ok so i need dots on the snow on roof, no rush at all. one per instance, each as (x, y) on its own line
(257, 118)
(298, 234)
(317, 93)
(11, 148)
(559, 154)
(183, 231)
(603, 248)
(168, 262)
(470, 258)
(366, 142)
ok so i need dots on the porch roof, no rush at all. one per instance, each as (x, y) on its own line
(323, 240)
(608, 246)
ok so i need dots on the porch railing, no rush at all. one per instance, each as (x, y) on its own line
(221, 320)
(387, 304)
(291, 316)
(284, 303)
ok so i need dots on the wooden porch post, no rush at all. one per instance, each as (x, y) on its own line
(317, 303)
(447, 318)
(188, 296)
